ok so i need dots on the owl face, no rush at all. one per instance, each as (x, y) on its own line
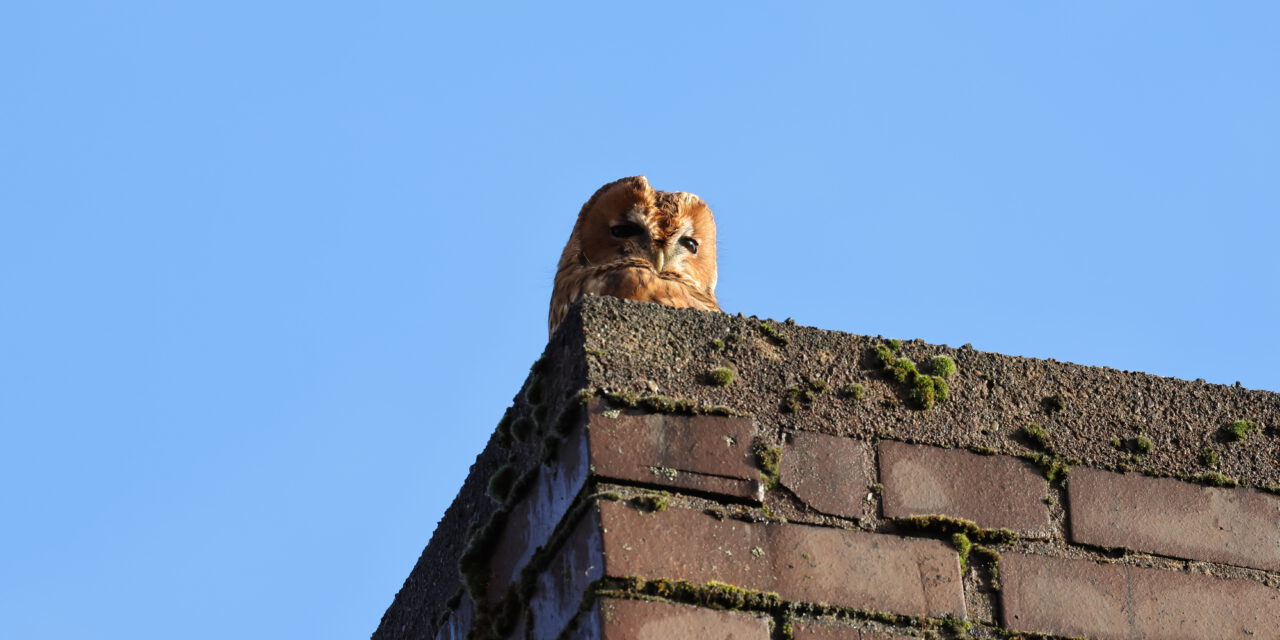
(633, 242)
(673, 234)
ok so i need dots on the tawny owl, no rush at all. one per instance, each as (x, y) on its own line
(633, 242)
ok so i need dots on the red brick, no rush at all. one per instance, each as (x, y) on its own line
(827, 472)
(799, 562)
(996, 492)
(810, 630)
(1116, 602)
(641, 620)
(561, 586)
(534, 518)
(700, 453)
(1175, 518)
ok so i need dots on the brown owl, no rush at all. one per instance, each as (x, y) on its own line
(636, 243)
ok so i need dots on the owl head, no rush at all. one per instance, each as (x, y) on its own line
(672, 233)
(632, 241)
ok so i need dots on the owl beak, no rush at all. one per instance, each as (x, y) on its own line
(659, 259)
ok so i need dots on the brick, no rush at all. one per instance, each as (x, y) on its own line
(700, 453)
(614, 619)
(561, 586)
(827, 472)
(798, 562)
(534, 518)
(1115, 602)
(1174, 518)
(811, 630)
(996, 492)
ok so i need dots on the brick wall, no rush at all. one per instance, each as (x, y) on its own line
(628, 494)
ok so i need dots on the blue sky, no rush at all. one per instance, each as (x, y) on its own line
(270, 272)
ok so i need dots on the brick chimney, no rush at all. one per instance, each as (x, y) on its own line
(668, 473)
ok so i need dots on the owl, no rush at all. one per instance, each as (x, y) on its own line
(633, 242)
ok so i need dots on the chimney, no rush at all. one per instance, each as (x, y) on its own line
(668, 473)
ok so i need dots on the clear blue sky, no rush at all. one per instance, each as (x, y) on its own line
(271, 271)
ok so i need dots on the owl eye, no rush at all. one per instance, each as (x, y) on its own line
(690, 244)
(624, 230)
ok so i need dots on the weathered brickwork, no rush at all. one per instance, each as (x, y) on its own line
(826, 472)
(1174, 518)
(1118, 602)
(614, 619)
(696, 453)
(829, 631)
(995, 492)
(626, 511)
(800, 563)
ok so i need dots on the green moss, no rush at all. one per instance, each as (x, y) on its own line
(522, 429)
(962, 544)
(853, 392)
(595, 353)
(984, 451)
(717, 345)
(666, 404)
(500, 483)
(818, 385)
(942, 366)
(1209, 457)
(649, 503)
(1142, 444)
(1239, 430)
(949, 526)
(767, 458)
(1036, 434)
(773, 334)
(720, 376)
(473, 564)
(876, 489)
(924, 391)
(882, 354)
(1117, 443)
(1054, 467)
(956, 626)
(1215, 479)
(894, 344)
(901, 369)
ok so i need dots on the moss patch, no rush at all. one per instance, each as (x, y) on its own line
(1037, 434)
(950, 526)
(853, 392)
(768, 458)
(963, 546)
(923, 390)
(649, 503)
(1239, 430)
(775, 336)
(720, 376)
(797, 397)
(942, 366)
(500, 483)
(666, 404)
(1209, 457)
(1215, 479)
